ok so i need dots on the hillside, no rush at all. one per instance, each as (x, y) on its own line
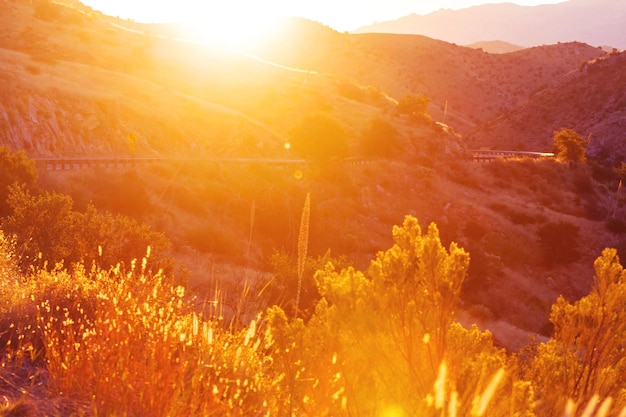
(471, 85)
(590, 100)
(75, 82)
(598, 23)
(64, 71)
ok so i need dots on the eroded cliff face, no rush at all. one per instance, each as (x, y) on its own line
(43, 126)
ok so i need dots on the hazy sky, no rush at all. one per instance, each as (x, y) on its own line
(342, 15)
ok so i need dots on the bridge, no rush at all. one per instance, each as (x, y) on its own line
(77, 163)
(482, 155)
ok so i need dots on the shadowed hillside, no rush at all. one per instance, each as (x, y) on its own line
(590, 99)
(471, 86)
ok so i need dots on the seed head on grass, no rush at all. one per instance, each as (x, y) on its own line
(303, 242)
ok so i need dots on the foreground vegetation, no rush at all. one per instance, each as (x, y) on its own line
(383, 341)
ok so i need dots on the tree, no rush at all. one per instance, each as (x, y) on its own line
(320, 137)
(569, 146)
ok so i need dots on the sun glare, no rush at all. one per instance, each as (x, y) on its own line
(230, 29)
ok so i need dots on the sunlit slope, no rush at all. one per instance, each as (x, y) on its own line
(76, 84)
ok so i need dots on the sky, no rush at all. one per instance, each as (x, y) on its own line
(341, 15)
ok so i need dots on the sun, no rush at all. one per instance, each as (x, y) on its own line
(230, 28)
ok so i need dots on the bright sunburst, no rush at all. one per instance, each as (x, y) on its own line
(230, 28)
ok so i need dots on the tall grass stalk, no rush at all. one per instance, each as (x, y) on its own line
(303, 243)
(252, 217)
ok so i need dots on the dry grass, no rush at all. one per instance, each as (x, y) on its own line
(115, 339)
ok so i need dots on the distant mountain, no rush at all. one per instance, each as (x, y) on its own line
(596, 22)
(495, 47)
(590, 100)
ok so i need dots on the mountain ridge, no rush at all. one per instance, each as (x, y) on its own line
(595, 23)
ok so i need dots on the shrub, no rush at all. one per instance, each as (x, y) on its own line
(517, 217)
(48, 231)
(110, 341)
(352, 91)
(380, 342)
(474, 230)
(584, 360)
(123, 193)
(414, 105)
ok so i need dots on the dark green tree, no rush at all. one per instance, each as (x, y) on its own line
(569, 146)
(320, 137)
